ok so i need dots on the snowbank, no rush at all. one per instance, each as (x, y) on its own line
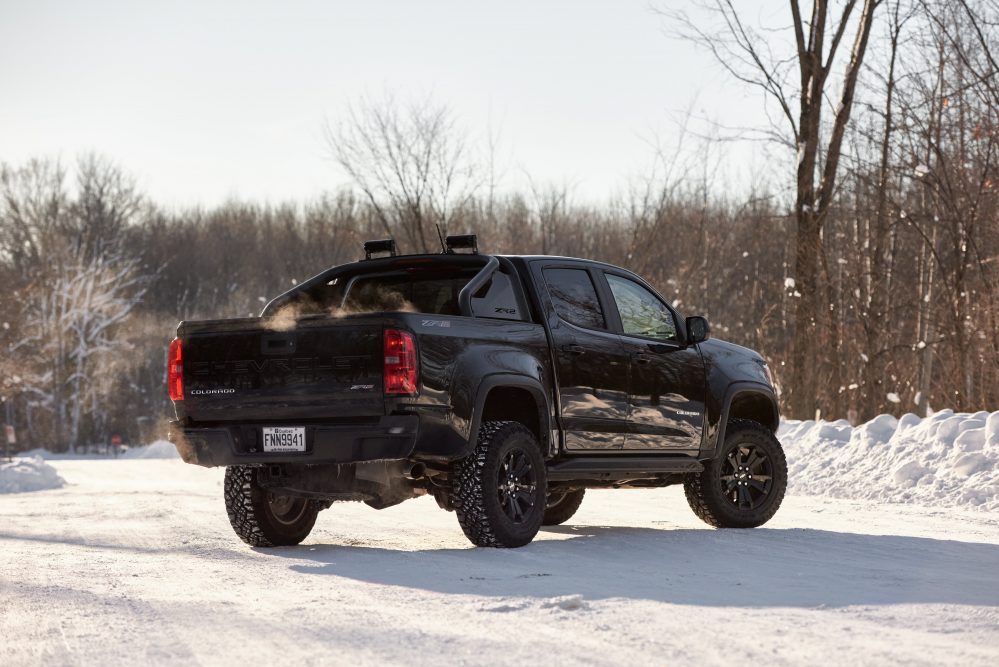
(39, 453)
(161, 449)
(28, 474)
(946, 459)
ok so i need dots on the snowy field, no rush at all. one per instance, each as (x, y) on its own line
(133, 561)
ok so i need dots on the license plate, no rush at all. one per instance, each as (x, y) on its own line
(284, 439)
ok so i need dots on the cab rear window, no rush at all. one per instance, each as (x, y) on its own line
(434, 294)
(418, 289)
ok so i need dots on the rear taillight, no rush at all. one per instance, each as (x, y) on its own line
(175, 371)
(400, 362)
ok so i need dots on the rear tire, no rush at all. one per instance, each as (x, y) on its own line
(744, 486)
(262, 519)
(499, 490)
(561, 506)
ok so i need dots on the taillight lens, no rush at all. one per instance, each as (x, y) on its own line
(400, 363)
(175, 371)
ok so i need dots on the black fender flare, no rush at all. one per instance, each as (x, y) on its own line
(549, 444)
(737, 389)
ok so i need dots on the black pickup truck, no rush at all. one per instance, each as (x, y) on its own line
(502, 385)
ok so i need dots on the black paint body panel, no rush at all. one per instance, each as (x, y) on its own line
(330, 372)
(598, 393)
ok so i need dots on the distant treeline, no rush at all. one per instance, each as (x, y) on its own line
(96, 276)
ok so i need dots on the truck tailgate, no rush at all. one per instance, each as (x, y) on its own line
(323, 368)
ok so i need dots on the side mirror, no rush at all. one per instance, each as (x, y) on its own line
(698, 330)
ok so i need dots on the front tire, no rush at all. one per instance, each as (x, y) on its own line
(499, 490)
(744, 486)
(561, 506)
(261, 518)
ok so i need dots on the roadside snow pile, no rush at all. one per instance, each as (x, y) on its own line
(161, 449)
(946, 459)
(45, 454)
(28, 474)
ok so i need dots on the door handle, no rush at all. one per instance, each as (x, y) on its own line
(641, 358)
(574, 350)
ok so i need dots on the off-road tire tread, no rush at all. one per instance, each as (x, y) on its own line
(467, 493)
(238, 489)
(564, 511)
(703, 503)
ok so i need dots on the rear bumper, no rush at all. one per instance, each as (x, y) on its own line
(391, 437)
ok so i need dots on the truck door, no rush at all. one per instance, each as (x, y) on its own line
(667, 385)
(592, 366)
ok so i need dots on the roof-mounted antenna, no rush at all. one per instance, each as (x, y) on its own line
(441, 237)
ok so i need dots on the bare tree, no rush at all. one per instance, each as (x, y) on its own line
(875, 241)
(412, 163)
(33, 205)
(69, 338)
(952, 109)
(106, 202)
(748, 56)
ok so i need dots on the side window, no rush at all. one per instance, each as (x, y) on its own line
(575, 297)
(642, 313)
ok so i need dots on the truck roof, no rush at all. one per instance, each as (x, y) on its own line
(484, 256)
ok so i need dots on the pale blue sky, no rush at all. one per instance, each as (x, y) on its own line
(202, 101)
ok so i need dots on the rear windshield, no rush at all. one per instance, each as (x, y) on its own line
(414, 290)
(437, 294)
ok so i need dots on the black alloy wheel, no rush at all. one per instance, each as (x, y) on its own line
(747, 477)
(517, 485)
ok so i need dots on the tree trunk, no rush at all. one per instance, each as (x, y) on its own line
(805, 295)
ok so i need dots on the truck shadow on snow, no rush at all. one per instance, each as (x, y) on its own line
(758, 568)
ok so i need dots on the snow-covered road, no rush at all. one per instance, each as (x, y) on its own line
(134, 562)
